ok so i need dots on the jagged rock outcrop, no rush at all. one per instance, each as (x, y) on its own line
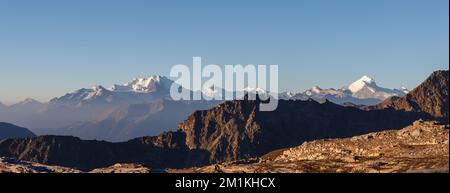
(420, 147)
(237, 129)
(431, 97)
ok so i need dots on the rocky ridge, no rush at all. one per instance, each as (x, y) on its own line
(420, 147)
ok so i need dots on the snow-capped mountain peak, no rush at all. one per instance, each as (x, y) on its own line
(254, 90)
(361, 83)
(404, 89)
(289, 94)
(316, 89)
(97, 91)
(144, 85)
(97, 88)
(363, 91)
(367, 79)
(136, 91)
(212, 91)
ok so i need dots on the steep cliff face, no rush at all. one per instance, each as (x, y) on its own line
(430, 97)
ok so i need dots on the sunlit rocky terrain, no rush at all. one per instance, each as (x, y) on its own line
(421, 147)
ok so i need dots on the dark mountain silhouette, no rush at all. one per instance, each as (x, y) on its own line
(12, 131)
(159, 152)
(230, 131)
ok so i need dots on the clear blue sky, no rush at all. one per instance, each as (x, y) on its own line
(51, 47)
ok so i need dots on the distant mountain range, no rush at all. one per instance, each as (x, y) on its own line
(140, 107)
(236, 130)
(140, 90)
(85, 104)
(144, 107)
(363, 91)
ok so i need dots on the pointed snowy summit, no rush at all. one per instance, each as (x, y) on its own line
(136, 91)
(363, 91)
(144, 85)
(361, 83)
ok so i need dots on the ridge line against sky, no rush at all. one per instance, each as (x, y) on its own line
(50, 47)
